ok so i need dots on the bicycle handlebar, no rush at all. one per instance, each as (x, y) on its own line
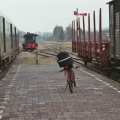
(61, 70)
(64, 69)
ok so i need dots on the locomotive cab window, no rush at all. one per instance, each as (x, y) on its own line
(30, 39)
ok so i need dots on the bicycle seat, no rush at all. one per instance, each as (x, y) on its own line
(66, 67)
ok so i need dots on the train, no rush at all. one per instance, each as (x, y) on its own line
(9, 41)
(103, 52)
(30, 41)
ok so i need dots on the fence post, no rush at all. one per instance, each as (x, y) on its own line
(37, 56)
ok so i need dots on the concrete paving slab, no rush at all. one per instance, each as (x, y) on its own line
(37, 92)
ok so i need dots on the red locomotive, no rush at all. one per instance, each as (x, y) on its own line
(30, 41)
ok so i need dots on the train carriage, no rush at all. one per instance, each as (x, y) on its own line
(90, 50)
(114, 27)
(7, 41)
(104, 52)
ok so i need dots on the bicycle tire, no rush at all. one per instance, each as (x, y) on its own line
(69, 81)
(73, 78)
(74, 83)
(70, 87)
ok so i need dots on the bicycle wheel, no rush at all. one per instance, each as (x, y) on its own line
(74, 83)
(69, 80)
(70, 87)
(73, 77)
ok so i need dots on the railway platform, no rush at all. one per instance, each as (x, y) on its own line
(37, 92)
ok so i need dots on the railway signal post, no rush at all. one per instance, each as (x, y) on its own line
(77, 35)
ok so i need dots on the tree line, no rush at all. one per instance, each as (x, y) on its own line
(59, 34)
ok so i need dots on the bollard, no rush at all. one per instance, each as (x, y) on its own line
(36, 56)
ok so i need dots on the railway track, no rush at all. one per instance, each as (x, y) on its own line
(80, 62)
(53, 49)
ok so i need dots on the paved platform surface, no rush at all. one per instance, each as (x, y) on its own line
(37, 92)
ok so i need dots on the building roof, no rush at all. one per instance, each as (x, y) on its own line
(110, 1)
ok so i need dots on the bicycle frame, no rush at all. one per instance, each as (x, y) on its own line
(69, 73)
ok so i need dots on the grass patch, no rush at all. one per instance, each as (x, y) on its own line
(47, 61)
(42, 60)
(28, 61)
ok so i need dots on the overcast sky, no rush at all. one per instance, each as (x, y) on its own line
(44, 15)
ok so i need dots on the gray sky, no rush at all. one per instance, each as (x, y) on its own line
(44, 15)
